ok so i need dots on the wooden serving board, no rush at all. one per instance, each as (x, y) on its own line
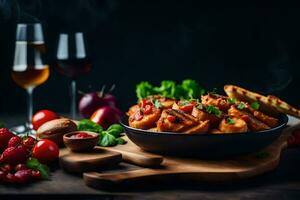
(94, 160)
(217, 171)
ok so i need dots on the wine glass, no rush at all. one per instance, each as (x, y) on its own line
(29, 69)
(72, 61)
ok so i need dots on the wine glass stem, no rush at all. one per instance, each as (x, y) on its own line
(29, 107)
(73, 99)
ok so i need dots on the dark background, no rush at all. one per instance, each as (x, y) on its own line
(130, 41)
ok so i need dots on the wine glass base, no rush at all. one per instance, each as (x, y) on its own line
(22, 130)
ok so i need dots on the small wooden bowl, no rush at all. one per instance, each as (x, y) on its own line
(81, 144)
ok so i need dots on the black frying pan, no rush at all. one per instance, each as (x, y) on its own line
(203, 145)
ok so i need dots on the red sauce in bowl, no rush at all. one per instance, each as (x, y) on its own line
(81, 135)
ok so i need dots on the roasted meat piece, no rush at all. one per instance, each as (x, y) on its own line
(233, 125)
(252, 123)
(172, 120)
(216, 100)
(144, 120)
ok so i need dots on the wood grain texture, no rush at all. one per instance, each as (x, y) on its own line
(216, 171)
(93, 160)
(134, 155)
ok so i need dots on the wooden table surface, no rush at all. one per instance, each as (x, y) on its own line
(283, 183)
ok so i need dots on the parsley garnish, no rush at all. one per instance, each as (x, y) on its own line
(241, 106)
(214, 110)
(255, 105)
(157, 104)
(231, 100)
(230, 121)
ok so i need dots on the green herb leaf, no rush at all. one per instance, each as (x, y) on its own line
(2, 125)
(255, 105)
(214, 110)
(230, 121)
(34, 164)
(121, 141)
(231, 100)
(116, 127)
(107, 140)
(188, 89)
(144, 89)
(241, 106)
(157, 104)
(88, 125)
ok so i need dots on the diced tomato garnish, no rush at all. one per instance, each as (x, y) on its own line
(187, 108)
(171, 118)
(144, 102)
(147, 109)
(138, 115)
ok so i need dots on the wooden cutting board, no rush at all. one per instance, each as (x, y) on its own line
(175, 169)
(94, 160)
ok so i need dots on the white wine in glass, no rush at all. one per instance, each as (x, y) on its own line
(29, 69)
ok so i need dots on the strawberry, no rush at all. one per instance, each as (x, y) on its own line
(5, 136)
(29, 142)
(23, 175)
(11, 178)
(20, 167)
(14, 155)
(6, 168)
(14, 141)
(36, 174)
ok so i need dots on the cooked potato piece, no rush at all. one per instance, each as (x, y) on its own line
(132, 110)
(202, 127)
(139, 120)
(215, 100)
(201, 115)
(215, 131)
(165, 102)
(175, 121)
(270, 121)
(252, 123)
(234, 125)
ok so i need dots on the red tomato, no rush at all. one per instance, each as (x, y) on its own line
(147, 109)
(42, 117)
(171, 118)
(187, 108)
(45, 151)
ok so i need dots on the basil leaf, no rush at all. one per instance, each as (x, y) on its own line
(255, 105)
(121, 141)
(107, 140)
(88, 125)
(116, 127)
(34, 164)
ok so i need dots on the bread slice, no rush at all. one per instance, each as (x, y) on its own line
(269, 104)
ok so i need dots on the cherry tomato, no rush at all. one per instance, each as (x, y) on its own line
(171, 118)
(42, 117)
(147, 109)
(144, 102)
(45, 151)
(187, 108)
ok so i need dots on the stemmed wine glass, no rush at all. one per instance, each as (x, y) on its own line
(72, 61)
(29, 69)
